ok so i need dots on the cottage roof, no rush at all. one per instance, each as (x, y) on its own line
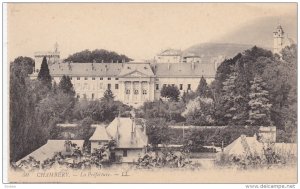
(100, 134)
(240, 145)
(123, 126)
(50, 149)
(185, 70)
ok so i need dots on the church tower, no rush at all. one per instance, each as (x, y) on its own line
(278, 36)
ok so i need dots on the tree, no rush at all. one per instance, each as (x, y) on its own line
(26, 62)
(171, 92)
(259, 114)
(108, 95)
(25, 134)
(157, 131)
(85, 128)
(225, 110)
(66, 86)
(200, 112)
(44, 74)
(97, 56)
(203, 89)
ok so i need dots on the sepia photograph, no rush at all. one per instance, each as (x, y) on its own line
(200, 93)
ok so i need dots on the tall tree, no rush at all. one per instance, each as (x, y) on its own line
(44, 74)
(108, 95)
(225, 110)
(25, 134)
(66, 86)
(203, 89)
(259, 114)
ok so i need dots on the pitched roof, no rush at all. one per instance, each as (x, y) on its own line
(99, 69)
(237, 147)
(100, 134)
(49, 149)
(143, 68)
(85, 69)
(125, 127)
(170, 52)
(185, 70)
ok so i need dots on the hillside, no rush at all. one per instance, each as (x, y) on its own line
(210, 50)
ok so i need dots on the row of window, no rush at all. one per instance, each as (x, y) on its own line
(189, 86)
(93, 78)
(157, 86)
(87, 86)
(135, 92)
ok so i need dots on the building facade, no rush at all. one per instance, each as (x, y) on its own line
(132, 83)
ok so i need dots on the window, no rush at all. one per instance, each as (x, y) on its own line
(84, 96)
(144, 92)
(117, 78)
(37, 70)
(157, 86)
(70, 78)
(109, 86)
(124, 153)
(108, 78)
(116, 86)
(93, 95)
(127, 91)
(93, 78)
(101, 78)
(180, 87)
(165, 85)
(85, 78)
(78, 78)
(136, 92)
(173, 85)
(189, 87)
(78, 95)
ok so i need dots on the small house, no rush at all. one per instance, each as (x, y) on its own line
(131, 139)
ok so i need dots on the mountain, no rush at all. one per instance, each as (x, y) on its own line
(211, 50)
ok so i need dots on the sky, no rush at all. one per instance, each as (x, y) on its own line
(137, 30)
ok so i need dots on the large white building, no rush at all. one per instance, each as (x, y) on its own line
(133, 83)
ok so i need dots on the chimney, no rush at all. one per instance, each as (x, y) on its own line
(133, 127)
(145, 129)
(69, 66)
(118, 125)
(193, 65)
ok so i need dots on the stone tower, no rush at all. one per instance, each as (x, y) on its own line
(51, 56)
(278, 36)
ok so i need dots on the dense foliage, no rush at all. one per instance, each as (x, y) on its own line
(97, 56)
(170, 92)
